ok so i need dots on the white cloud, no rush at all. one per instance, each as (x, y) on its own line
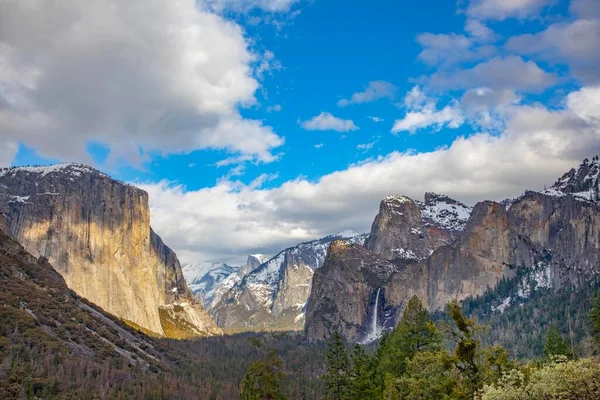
(479, 31)
(510, 72)
(585, 8)
(375, 119)
(139, 76)
(327, 122)
(366, 146)
(8, 151)
(575, 43)
(229, 220)
(448, 49)
(488, 108)
(422, 112)
(503, 9)
(319, 145)
(374, 91)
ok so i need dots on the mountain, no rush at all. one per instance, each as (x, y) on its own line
(205, 277)
(45, 325)
(210, 280)
(95, 231)
(547, 239)
(406, 229)
(273, 296)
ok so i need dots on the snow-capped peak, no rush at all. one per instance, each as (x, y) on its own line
(72, 169)
(347, 233)
(582, 183)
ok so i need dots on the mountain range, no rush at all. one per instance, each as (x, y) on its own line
(95, 232)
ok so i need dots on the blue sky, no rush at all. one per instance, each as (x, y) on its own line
(293, 118)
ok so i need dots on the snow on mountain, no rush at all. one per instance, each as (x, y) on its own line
(445, 212)
(205, 277)
(278, 287)
(582, 183)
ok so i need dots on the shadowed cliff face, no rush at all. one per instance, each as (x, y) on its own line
(554, 234)
(96, 232)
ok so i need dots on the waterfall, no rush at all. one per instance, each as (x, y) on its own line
(374, 333)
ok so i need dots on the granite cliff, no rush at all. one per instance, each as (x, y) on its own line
(96, 233)
(551, 238)
(273, 295)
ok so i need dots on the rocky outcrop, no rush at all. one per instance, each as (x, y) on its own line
(552, 238)
(96, 233)
(273, 296)
(40, 312)
(344, 291)
(406, 229)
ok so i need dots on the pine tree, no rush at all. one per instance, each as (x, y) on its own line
(466, 351)
(338, 369)
(595, 320)
(415, 332)
(364, 382)
(555, 344)
(263, 379)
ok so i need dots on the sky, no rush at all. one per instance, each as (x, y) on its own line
(258, 124)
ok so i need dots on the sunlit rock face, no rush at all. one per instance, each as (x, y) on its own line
(96, 233)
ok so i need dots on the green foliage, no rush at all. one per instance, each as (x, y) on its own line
(522, 327)
(429, 375)
(555, 344)
(337, 378)
(414, 333)
(562, 380)
(263, 379)
(595, 320)
(466, 351)
(365, 381)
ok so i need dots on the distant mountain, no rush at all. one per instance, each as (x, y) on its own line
(542, 240)
(273, 296)
(210, 280)
(96, 232)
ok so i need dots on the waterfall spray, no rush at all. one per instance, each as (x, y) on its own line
(372, 335)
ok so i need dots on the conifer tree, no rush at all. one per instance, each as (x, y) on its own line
(263, 379)
(555, 344)
(595, 320)
(466, 351)
(338, 369)
(364, 378)
(415, 332)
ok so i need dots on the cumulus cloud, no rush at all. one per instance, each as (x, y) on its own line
(537, 146)
(498, 73)
(575, 43)
(422, 112)
(488, 108)
(139, 76)
(585, 8)
(374, 91)
(479, 31)
(327, 122)
(375, 119)
(450, 48)
(503, 9)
